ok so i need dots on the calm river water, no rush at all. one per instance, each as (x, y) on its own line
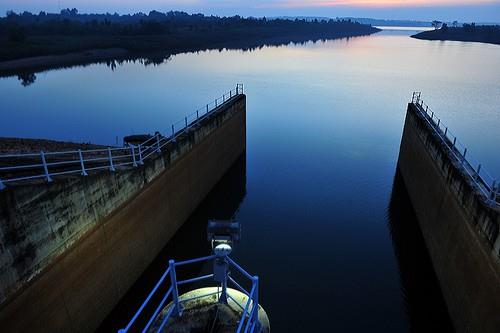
(326, 221)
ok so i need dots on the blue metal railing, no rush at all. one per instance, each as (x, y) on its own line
(249, 320)
(473, 170)
(46, 165)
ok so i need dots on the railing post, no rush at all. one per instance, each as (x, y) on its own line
(134, 162)
(207, 108)
(185, 122)
(413, 97)
(175, 292)
(223, 98)
(45, 167)
(445, 131)
(216, 102)
(230, 93)
(465, 153)
(255, 302)
(197, 115)
(454, 142)
(141, 161)
(2, 186)
(237, 86)
(110, 156)
(173, 131)
(439, 122)
(158, 150)
(494, 190)
(84, 173)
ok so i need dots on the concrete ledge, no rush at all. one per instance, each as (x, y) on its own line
(460, 227)
(72, 248)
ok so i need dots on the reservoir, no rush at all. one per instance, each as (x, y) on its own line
(326, 220)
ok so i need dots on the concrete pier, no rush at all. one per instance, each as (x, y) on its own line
(459, 223)
(72, 248)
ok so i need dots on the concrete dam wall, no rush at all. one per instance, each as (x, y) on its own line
(460, 225)
(72, 248)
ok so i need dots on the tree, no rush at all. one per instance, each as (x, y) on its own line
(436, 24)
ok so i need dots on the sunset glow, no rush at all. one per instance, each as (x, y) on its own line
(374, 3)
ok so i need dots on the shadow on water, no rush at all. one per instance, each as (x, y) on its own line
(424, 303)
(189, 242)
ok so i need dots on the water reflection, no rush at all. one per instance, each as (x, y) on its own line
(190, 241)
(28, 77)
(425, 306)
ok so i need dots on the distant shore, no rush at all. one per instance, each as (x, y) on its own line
(468, 33)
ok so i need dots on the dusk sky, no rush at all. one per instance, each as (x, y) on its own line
(462, 10)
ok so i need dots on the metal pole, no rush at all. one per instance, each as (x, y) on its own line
(223, 295)
(465, 153)
(141, 162)
(110, 156)
(237, 89)
(439, 122)
(445, 131)
(413, 97)
(223, 98)
(230, 93)
(207, 108)
(255, 301)
(45, 168)
(84, 173)
(197, 115)
(216, 102)
(186, 122)
(175, 292)
(454, 142)
(173, 131)
(158, 150)
(134, 163)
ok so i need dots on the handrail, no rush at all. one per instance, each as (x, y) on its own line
(41, 165)
(472, 169)
(248, 322)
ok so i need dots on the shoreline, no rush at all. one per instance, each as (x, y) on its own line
(459, 35)
(42, 63)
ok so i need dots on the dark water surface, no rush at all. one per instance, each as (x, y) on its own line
(327, 224)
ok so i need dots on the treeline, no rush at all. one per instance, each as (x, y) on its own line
(469, 32)
(18, 26)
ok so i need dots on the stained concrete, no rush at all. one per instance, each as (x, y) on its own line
(72, 248)
(460, 227)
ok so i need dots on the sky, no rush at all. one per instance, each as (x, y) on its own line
(444, 10)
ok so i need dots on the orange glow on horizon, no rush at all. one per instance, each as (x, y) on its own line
(373, 3)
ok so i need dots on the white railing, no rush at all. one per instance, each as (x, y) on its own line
(474, 170)
(46, 165)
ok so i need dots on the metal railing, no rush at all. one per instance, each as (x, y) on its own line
(249, 320)
(46, 165)
(474, 170)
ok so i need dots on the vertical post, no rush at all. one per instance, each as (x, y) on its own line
(427, 109)
(223, 98)
(237, 86)
(141, 162)
(197, 115)
(230, 93)
(2, 186)
(216, 102)
(134, 162)
(173, 131)
(413, 97)
(465, 153)
(110, 156)
(454, 142)
(439, 122)
(158, 150)
(494, 190)
(445, 131)
(207, 108)
(255, 301)
(186, 122)
(175, 292)
(45, 167)
(84, 173)
(223, 294)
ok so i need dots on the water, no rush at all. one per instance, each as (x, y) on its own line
(317, 203)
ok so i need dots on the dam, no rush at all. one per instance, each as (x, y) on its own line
(78, 228)
(458, 209)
